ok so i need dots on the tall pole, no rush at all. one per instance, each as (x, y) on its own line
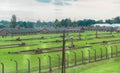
(63, 54)
(72, 41)
(79, 35)
(96, 33)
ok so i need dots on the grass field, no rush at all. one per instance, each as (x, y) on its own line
(105, 66)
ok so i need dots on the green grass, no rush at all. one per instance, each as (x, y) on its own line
(22, 58)
(108, 66)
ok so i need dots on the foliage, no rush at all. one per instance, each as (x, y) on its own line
(57, 23)
(13, 22)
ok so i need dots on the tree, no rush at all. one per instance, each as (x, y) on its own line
(116, 20)
(38, 24)
(99, 21)
(30, 24)
(63, 23)
(68, 22)
(13, 22)
(57, 23)
(108, 21)
(86, 22)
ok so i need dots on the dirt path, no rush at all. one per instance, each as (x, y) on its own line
(48, 50)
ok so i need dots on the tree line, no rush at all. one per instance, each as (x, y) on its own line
(13, 23)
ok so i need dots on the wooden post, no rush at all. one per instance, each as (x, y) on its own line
(72, 45)
(79, 35)
(96, 33)
(63, 54)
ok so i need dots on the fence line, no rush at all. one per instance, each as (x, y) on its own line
(91, 58)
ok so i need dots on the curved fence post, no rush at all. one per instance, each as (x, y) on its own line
(95, 54)
(2, 67)
(82, 57)
(106, 53)
(50, 65)
(89, 56)
(101, 53)
(75, 58)
(79, 35)
(67, 59)
(58, 61)
(28, 65)
(116, 51)
(39, 63)
(111, 52)
(16, 65)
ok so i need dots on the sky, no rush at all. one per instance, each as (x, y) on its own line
(49, 10)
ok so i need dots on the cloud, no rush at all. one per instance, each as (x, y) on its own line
(48, 10)
(64, 2)
(44, 1)
(58, 2)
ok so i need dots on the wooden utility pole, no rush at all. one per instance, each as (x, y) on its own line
(63, 54)
(79, 35)
(96, 33)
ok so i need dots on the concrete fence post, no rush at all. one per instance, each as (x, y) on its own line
(116, 51)
(82, 57)
(39, 64)
(106, 53)
(101, 53)
(111, 52)
(50, 64)
(95, 55)
(67, 59)
(2, 67)
(16, 65)
(89, 56)
(28, 65)
(75, 61)
(58, 61)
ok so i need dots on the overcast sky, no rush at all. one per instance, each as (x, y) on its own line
(49, 10)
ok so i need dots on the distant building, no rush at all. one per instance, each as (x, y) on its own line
(118, 30)
(60, 30)
(14, 31)
(48, 30)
